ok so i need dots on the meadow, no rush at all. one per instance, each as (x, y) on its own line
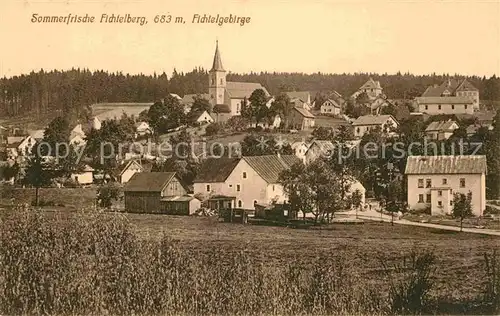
(59, 262)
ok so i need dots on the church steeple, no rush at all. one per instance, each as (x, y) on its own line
(217, 65)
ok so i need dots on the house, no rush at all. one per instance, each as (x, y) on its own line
(300, 148)
(188, 100)
(474, 128)
(203, 117)
(332, 106)
(130, 168)
(355, 186)
(451, 97)
(433, 180)
(19, 146)
(301, 99)
(366, 123)
(158, 192)
(37, 135)
(378, 104)
(95, 123)
(243, 182)
(319, 148)
(441, 130)
(372, 88)
(301, 119)
(76, 139)
(227, 97)
(83, 177)
(142, 128)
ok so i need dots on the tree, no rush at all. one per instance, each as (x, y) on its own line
(462, 207)
(107, 193)
(282, 106)
(258, 101)
(255, 145)
(492, 148)
(57, 132)
(186, 169)
(38, 171)
(362, 98)
(166, 115)
(356, 199)
(181, 144)
(389, 109)
(213, 129)
(300, 195)
(237, 123)
(246, 110)
(322, 133)
(201, 104)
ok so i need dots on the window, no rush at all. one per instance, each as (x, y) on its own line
(465, 106)
(239, 203)
(428, 183)
(428, 198)
(426, 107)
(420, 183)
(453, 106)
(230, 185)
(451, 202)
(273, 188)
(420, 198)
(462, 182)
(440, 203)
(220, 80)
(439, 106)
(440, 193)
(244, 175)
(445, 181)
(208, 187)
(212, 96)
(254, 202)
(238, 188)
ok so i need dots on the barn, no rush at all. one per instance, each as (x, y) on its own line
(158, 192)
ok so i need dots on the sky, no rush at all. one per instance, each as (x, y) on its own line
(376, 36)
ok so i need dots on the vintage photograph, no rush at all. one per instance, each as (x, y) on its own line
(245, 157)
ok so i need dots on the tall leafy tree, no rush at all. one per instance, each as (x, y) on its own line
(462, 207)
(39, 172)
(57, 132)
(283, 107)
(258, 101)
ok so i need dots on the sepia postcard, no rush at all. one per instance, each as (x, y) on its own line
(250, 157)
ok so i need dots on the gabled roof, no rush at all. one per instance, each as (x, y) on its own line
(37, 134)
(129, 164)
(217, 64)
(323, 145)
(465, 85)
(450, 85)
(304, 96)
(444, 100)
(372, 120)
(441, 126)
(216, 169)
(269, 167)
(189, 98)
(148, 181)
(240, 90)
(334, 102)
(446, 165)
(371, 84)
(304, 112)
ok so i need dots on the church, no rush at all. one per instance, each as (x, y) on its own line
(226, 97)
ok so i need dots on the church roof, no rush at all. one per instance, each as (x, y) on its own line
(217, 65)
(222, 108)
(240, 90)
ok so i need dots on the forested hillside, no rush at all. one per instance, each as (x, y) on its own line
(72, 91)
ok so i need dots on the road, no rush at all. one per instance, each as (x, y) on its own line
(374, 215)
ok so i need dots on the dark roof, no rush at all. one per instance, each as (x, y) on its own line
(148, 181)
(373, 120)
(222, 108)
(446, 164)
(304, 112)
(269, 167)
(305, 96)
(217, 64)
(216, 169)
(240, 90)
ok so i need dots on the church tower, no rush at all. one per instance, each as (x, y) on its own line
(217, 79)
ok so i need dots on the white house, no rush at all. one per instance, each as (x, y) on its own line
(95, 123)
(142, 128)
(204, 118)
(243, 182)
(441, 130)
(317, 149)
(366, 123)
(85, 176)
(131, 168)
(331, 106)
(451, 97)
(38, 134)
(301, 99)
(372, 88)
(19, 146)
(300, 148)
(433, 181)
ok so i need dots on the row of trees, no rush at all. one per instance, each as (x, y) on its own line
(72, 91)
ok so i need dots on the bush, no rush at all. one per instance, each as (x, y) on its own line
(213, 129)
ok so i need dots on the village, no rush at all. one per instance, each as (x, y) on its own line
(235, 148)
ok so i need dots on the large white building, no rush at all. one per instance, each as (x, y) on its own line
(451, 97)
(433, 181)
(364, 124)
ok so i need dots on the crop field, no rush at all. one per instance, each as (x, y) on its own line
(115, 263)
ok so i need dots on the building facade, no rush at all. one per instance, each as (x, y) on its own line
(433, 180)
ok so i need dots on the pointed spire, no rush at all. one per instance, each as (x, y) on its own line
(217, 65)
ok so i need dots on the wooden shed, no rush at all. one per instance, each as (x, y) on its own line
(153, 192)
